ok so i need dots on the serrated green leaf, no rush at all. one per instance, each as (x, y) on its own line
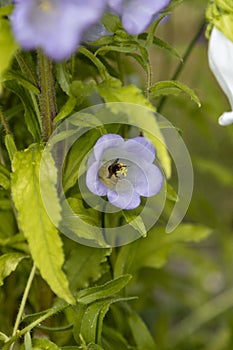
(4, 177)
(135, 221)
(141, 334)
(89, 295)
(89, 265)
(173, 87)
(42, 235)
(8, 47)
(153, 251)
(8, 264)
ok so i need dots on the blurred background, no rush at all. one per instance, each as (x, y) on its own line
(190, 305)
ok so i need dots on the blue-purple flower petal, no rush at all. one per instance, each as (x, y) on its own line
(141, 147)
(123, 170)
(105, 142)
(93, 182)
(137, 14)
(56, 26)
(125, 197)
(149, 180)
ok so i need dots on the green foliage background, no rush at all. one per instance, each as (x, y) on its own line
(161, 292)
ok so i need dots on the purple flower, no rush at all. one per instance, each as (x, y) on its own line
(137, 14)
(123, 170)
(56, 26)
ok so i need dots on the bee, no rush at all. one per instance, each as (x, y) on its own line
(117, 168)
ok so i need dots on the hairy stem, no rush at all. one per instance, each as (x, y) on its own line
(47, 94)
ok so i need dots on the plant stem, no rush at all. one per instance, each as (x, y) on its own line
(47, 94)
(182, 63)
(23, 302)
(28, 328)
(148, 80)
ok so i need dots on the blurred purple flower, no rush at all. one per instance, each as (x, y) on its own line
(220, 55)
(123, 170)
(56, 26)
(137, 14)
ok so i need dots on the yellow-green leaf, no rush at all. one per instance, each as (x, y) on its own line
(42, 235)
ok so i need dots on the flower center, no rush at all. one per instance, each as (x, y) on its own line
(117, 168)
(110, 174)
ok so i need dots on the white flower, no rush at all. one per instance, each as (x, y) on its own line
(220, 55)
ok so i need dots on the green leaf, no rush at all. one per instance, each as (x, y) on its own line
(153, 251)
(8, 47)
(4, 177)
(28, 341)
(112, 91)
(172, 87)
(63, 77)
(10, 146)
(8, 264)
(90, 327)
(135, 221)
(78, 151)
(111, 22)
(89, 265)
(66, 109)
(171, 193)
(162, 44)
(42, 343)
(5, 10)
(22, 80)
(42, 235)
(99, 65)
(113, 336)
(124, 49)
(33, 124)
(141, 334)
(106, 290)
